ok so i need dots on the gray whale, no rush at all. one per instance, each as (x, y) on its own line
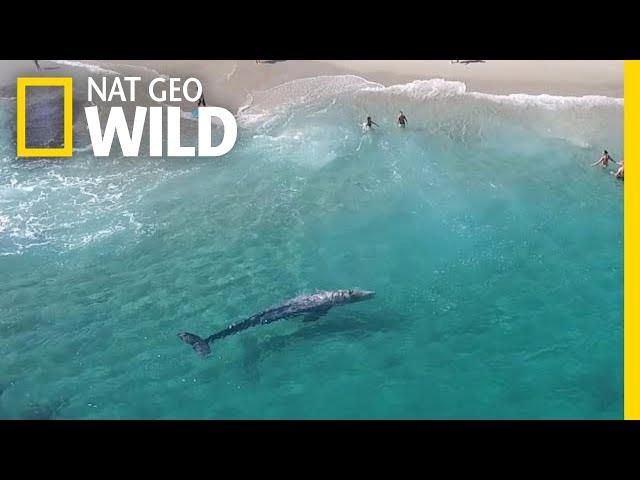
(311, 306)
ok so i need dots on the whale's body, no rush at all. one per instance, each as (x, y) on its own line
(311, 306)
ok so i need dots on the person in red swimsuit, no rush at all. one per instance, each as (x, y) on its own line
(604, 160)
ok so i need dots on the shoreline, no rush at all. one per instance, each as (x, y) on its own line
(573, 78)
(227, 83)
(539, 77)
(501, 77)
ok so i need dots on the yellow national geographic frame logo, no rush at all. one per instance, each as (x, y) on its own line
(67, 85)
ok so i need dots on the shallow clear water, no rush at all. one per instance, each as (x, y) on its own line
(494, 249)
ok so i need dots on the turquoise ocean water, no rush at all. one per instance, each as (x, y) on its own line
(495, 250)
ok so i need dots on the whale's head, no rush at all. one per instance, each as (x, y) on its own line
(354, 295)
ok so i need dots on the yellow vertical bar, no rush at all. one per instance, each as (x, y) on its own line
(631, 242)
(20, 114)
(68, 117)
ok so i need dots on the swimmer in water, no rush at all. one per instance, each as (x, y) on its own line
(402, 120)
(620, 172)
(370, 123)
(604, 160)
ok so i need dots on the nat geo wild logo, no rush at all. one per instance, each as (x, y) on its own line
(160, 90)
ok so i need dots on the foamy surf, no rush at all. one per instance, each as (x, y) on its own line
(440, 106)
(153, 72)
(86, 66)
(322, 87)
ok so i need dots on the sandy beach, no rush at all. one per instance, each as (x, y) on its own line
(231, 80)
(553, 77)
(227, 83)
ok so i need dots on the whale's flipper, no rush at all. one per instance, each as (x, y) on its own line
(199, 345)
(315, 314)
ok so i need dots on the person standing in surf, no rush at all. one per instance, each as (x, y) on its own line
(620, 172)
(604, 160)
(402, 120)
(370, 123)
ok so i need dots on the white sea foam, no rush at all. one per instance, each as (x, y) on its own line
(152, 71)
(319, 89)
(63, 208)
(87, 66)
(440, 88)
(552, 102)
(86, 148)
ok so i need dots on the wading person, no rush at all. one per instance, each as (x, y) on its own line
(604, 160)
(402, 120)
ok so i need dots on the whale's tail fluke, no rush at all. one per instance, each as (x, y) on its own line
(200, 345)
